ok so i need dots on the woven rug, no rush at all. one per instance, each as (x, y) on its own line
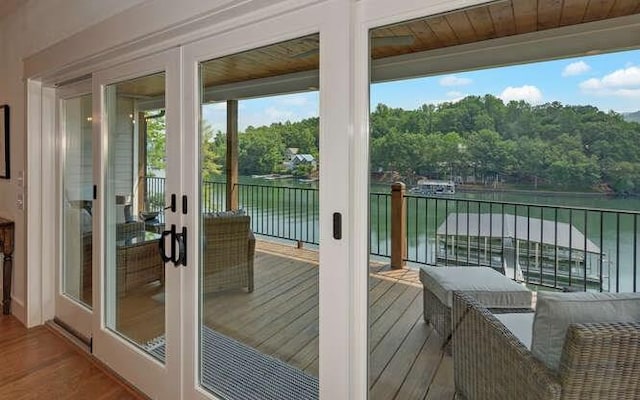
(234, 370)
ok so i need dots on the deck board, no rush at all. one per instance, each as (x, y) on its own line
(280, 318)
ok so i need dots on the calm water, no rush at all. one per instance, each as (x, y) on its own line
(292, 212)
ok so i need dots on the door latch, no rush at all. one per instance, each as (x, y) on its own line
(181, 239)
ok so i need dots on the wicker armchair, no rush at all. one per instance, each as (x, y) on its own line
(599, 360)
(229, 249)
(136, 264)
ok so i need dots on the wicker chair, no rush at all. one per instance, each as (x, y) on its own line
(599, 360)
(229, 249)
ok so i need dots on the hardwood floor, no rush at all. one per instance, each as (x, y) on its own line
(39, 364)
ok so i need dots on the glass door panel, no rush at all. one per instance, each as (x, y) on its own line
(139, 118)
(134, 275)
(77, 197)
(259, 207)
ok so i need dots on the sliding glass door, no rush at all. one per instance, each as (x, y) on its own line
(267, 222)
(139, 287)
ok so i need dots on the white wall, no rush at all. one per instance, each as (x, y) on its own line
(32, 28)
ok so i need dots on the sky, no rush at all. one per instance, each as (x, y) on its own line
(607, 81)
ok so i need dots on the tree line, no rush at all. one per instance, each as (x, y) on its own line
(555, 146)
(478, 139)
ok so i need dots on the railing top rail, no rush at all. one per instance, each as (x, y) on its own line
(519, 204)
(273, 186)
(496, 202)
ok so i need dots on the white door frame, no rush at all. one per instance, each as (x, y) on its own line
(157, 380)
(331, 19)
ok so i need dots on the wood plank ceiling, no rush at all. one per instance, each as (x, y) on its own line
(489, 21)
(496, 20)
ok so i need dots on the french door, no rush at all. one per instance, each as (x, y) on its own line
(217, 279)
(137, 314)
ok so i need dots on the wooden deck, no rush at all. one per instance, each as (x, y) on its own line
(280, 318)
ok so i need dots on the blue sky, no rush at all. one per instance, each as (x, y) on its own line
(609, 82)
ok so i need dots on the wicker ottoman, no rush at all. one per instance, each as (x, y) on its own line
(489, 287)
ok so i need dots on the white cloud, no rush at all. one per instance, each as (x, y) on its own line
(454, 94)
(576, 68)
(591, 84)
(528, 93)
(297, 100)
(277, 115)
(219, 106)
(452, 80)
(620, 83)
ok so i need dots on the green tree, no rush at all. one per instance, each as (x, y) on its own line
(156, 142)
(213, 148)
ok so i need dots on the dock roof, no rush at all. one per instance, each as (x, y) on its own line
(516, 227)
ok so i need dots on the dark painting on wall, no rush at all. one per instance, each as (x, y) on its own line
(4, 142)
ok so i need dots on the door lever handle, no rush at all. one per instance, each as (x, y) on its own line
(172, 206)
(182, 248)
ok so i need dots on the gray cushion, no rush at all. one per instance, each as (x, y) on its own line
(228, 213)
(520, 324)
(555, 311)
(486, 285)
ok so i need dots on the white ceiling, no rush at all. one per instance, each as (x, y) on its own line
(9, 6)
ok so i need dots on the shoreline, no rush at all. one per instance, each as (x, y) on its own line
(550, 193)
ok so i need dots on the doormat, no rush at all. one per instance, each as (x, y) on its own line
(234, 370)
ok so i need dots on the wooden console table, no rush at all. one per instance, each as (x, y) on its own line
(6, 248)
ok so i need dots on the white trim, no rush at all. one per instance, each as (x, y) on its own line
(166, 24)
(359, 222)
(50, 227)
(33, 200)
(336, 340)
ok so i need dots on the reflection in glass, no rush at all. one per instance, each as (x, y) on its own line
(134, 278)
(77, 199)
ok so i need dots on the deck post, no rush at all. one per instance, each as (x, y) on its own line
(398, 225)
(232, 155)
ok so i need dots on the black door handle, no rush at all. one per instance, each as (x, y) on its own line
(182, 247)
(163, 253)
(181, 239)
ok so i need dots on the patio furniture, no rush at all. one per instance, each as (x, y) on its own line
(138, 260)
(597, 360)
(137, 257)
(488, 286)
(229, 249)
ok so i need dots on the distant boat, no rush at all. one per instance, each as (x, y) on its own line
(309, 180)
(429, 187)
(522, 248)
(274, 177)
